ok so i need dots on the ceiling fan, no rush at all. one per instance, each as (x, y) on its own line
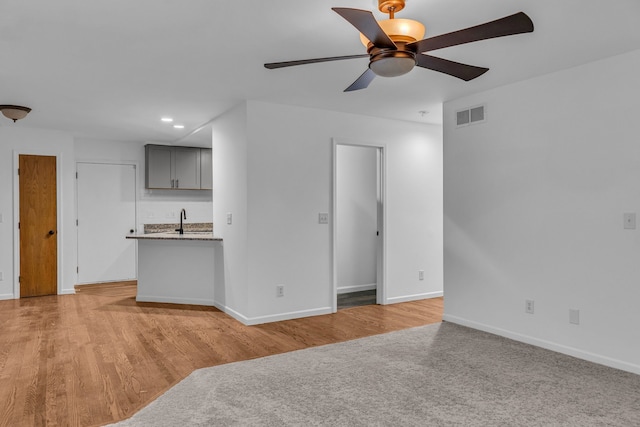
(394, 46)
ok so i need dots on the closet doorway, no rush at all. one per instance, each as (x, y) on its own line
(358, 225)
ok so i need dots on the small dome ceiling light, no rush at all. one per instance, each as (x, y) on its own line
(14, 112)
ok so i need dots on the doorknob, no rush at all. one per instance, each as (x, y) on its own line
(51, 232)
(131, 231)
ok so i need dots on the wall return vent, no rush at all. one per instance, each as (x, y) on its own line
(470, 116)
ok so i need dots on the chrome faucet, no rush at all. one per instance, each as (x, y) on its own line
(183, 214)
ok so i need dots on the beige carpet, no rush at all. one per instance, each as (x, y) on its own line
(436, 375)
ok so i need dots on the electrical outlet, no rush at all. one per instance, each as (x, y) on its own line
(529, 306)
(323, 218)
(1, 276)
(279, 290)
(1, 218)
(229, 218)
(420, 274)
(574, 316)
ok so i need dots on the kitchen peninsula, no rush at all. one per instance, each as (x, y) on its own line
(176, 268)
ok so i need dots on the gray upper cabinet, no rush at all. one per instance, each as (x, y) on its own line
(177, 168)
(206, 169)
(158, 166)
(186, 168)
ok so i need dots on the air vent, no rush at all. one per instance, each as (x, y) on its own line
(470, 116)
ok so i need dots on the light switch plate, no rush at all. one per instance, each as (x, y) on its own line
(629, 219)
(229, 218)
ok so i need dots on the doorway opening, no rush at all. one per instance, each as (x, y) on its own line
(358, 208)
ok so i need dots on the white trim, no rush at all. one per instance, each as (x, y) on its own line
(59, 216)
(381, 288)
(231, 312)
(549, 345)
(67, 292)
(415, 297)
(175, 300)
(6, 296)
(250, 321)
(357, 288)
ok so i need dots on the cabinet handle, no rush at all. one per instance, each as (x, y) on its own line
(177, 183)
(172, 186)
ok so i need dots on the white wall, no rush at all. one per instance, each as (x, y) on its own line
(288, 181)
(21, 140)
(229, 136)
(153, 206)
(534, 201)
(356, 222)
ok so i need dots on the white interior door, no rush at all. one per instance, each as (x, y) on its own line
(106, 214)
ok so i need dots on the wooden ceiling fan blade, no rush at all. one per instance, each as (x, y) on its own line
(455, 69)
(364, 22)
(514, 24)
(274, 65)
(362, 82)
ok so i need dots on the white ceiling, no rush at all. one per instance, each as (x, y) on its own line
(110, 69)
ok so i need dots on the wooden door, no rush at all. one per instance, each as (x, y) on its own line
(38, 226)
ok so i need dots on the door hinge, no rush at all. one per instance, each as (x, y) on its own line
(18, 171)
(76, 222)
(77, 269)
(19, 279)
(76, 175)
(18, 226)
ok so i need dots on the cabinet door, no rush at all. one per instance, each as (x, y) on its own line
(206, 169)
(158, 168)
(187, 168)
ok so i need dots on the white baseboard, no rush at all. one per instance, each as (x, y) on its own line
(6, 296)
(67, 292)
(549, 345)
(250, 321)
(170, 300)
(357, 288)
(231, 312)
(407, 298)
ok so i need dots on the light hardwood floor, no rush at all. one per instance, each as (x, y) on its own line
(98, 356)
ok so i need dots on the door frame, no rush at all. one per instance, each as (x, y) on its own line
(136, 195)
(381, 262)
(16, 215)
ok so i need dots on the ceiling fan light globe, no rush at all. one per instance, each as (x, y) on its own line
(392, 67)
(399, 30)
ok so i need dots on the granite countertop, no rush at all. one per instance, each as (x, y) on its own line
(192, 231)
(174, 235)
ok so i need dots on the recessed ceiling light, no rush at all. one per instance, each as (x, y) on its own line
(167, 119)
(178, 126)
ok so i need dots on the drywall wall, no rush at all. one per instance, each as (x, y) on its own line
(153, 206)
(357, 217)
(534, 203)
(15, 140)
(229, 136)
(275, 176)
